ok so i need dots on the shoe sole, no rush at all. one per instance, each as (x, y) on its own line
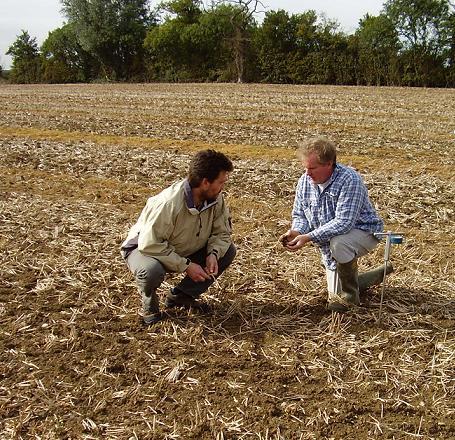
(152, 319)
(336, 307)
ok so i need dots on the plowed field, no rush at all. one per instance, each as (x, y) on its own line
(77, 164)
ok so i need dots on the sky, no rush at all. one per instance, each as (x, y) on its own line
(39, 17)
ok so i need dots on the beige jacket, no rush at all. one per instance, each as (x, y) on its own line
(170, 228)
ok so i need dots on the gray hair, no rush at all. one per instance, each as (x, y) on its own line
(324, 149)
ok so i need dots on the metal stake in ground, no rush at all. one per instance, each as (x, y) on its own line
(391, 238)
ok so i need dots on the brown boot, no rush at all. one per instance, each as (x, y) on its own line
(349, 295)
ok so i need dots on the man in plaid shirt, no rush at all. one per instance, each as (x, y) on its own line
(333, 211)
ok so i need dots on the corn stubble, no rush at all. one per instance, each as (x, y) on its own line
(77, 164)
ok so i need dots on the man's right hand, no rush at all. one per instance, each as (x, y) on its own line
(197, 273)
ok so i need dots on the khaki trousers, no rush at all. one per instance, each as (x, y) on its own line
(345, 248)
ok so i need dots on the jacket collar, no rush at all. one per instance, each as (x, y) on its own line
(190, 202)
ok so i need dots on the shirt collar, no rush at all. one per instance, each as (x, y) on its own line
(336, 170)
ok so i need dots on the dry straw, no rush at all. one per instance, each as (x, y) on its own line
(271, 362)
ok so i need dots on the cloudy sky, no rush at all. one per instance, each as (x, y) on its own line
(38, 17)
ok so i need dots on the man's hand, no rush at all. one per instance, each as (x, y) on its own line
(298, 242)
(197, 273)
(288, 236)
(294, 241)
(211, 265)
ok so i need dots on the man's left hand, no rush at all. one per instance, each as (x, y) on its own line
(211, 265)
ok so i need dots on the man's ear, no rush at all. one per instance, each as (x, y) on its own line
(205, 183)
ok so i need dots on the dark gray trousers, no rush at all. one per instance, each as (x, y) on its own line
(149, 273)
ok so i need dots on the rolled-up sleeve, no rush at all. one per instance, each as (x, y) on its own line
(300, 222)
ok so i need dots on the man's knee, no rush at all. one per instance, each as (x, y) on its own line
(229, 256)
(355, 243)
(341, 249)
(150, 273)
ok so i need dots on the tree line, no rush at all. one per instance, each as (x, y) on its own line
(410, 43)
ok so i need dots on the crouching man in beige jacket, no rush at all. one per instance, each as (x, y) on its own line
(185, 228)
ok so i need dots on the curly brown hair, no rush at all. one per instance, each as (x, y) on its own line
(207, 164)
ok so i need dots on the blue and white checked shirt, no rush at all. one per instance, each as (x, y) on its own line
(342, 205)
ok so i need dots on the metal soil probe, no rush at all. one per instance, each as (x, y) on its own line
(391, 238)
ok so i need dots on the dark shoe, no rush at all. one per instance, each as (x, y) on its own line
(152, 318)
(335, 306)
(181, 300)
(201, 307)
(338, 304)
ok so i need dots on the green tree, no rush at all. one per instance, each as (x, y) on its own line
(26, 66)
(422, 26)
(378, 45)
(275, 43)
(112, 31)
(175, 48)
(64, 60)
(192, 44)
(218, 32)
(324, 54)
(450, 56)
(186, 11)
